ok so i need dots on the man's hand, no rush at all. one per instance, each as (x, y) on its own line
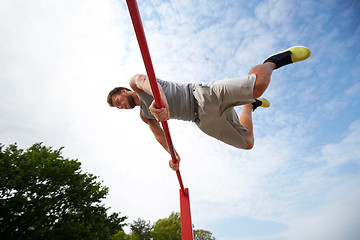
(161, 114)
(174, 166)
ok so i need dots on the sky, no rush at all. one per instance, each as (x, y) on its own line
(59, 60)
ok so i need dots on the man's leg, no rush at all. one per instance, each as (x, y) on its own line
(263, 74)
(246, 121)
(263, 71)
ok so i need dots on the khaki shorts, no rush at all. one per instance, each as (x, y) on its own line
(215, 106)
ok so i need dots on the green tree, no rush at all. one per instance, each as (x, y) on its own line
(167, 228)
(44, 196)
(141, 229)
(200, 234)
(120, 235)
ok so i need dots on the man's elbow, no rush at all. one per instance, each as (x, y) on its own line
(136, 81)
(133, 79)
(139, 79)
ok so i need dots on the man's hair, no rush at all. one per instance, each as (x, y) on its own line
(113, 92)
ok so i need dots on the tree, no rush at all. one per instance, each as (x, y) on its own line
(121, 235)
(44, 196)
(200, 234)
(141, 229)
(167, 228)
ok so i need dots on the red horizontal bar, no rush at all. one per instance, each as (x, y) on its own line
(140, 35)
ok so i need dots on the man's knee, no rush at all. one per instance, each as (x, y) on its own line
(260, 86)
(250, 146)
(250, 142)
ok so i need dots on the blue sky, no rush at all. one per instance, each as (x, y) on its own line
(59, 59)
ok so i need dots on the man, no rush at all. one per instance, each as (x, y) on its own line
(209, 105)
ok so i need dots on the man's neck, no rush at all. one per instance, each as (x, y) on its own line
(136, 98)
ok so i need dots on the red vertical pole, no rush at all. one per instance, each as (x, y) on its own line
(185, 214)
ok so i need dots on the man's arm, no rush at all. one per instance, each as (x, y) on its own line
(157, 131)
(160, 137)
(140, 83)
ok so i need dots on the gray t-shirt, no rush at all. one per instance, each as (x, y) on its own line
(179, 97)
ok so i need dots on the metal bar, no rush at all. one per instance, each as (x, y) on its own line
(140, 35)
(185, 216)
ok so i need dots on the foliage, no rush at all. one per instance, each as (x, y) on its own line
(121, 235)
(44, 196)
(141, 229)
(200, 234)
(167, 228)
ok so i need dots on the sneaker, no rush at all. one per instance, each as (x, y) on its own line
(291, 55)
(260, 102)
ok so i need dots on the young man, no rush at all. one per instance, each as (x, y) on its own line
(209, 105)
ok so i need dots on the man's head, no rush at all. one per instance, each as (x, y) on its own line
(121, 97)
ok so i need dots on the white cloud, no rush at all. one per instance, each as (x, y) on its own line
(336, 220)
(274, 13)
(345, 151)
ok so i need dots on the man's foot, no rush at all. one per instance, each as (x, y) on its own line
(291, 55)
(260, 102)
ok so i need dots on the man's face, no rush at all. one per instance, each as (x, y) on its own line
(123, 100)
